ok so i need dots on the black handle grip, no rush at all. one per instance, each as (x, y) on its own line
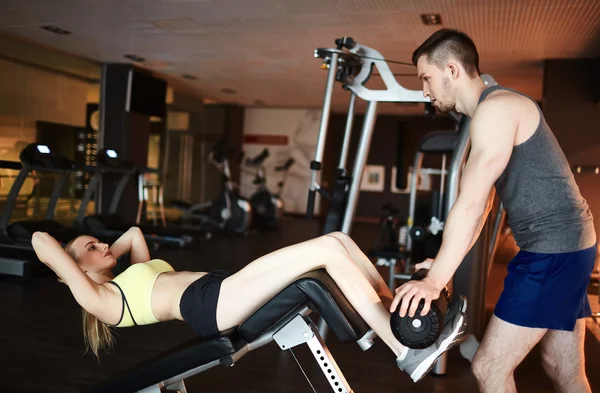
(285, 166)
(259, 159)
(288, 163)
(311, 203)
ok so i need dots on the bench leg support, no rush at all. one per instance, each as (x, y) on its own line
(298, 332)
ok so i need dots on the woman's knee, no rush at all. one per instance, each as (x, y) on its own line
(342, 237)
(336, 253)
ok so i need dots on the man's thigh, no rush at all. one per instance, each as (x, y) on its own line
(563, 351)
(505, 345)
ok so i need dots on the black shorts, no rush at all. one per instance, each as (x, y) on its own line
(198, 304)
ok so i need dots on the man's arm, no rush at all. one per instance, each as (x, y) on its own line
(132, 241)
(492, 132)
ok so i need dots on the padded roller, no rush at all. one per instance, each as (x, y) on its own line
(439, 142)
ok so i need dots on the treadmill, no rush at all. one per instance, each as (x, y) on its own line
(16, 252)
(16, 260)
(111, 223)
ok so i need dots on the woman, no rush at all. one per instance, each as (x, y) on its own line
(150, 291)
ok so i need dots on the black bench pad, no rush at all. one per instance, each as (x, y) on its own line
(184, 357)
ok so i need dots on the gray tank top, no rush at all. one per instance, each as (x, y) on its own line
(545, 209)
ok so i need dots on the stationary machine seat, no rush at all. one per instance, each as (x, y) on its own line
(283, 319)
(385, 253)
(183, 205)
(439, 142)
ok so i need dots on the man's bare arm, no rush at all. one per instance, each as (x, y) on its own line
(493, 131)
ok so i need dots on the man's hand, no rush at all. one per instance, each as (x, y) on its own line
(411, 293)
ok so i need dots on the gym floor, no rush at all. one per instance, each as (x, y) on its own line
(42, 346)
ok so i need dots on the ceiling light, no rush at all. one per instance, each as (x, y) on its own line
(56, 30)
(227, 90)
(431, 19)
(135, 58)
(190, 77)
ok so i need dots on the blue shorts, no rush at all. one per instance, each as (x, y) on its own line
(547, 290)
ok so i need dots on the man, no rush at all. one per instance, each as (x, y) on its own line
(512, 148)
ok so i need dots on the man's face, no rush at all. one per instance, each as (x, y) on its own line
(437, 85)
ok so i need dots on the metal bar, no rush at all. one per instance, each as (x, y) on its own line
(456, 163)
(9, 204)
(328, 365)
(161, 204)
(116, 199)
(498, 221)
(189, 148)
(359, 164)
(320, 148)
(87, 197)
(141, 197)
(347, 134)
(393, 91)
(454, 173)
(55, 196)
(152, 389)
(178, 387)
(414, 183)
(298, 332)
(442, 189)
(189, 373)
(440, 365)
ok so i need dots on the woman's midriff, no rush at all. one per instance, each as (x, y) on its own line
(167, 292)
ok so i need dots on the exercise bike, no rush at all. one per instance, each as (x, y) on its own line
(267, 208)
(228, 212)
(285, 167)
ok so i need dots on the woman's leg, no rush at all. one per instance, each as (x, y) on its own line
(366, 267)
(247, 290)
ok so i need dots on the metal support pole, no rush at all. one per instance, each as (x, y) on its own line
(347, 134)
(454, 173)
(456, 163)
(442, 189)
(414, 182)
(359, 164)
(320, 148)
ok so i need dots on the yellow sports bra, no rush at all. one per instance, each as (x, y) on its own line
(136, 285)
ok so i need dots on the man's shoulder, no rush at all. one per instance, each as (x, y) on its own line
(504, 103)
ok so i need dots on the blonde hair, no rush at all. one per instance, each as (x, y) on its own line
(96, 335)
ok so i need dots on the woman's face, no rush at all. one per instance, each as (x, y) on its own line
(92, 255)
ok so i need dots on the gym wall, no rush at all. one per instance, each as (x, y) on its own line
(32, 98)
(188, 175)
(571, 106)
(286, 133)
(391, 135)
(29, 94)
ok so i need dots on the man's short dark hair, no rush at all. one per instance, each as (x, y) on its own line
(446, 43)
